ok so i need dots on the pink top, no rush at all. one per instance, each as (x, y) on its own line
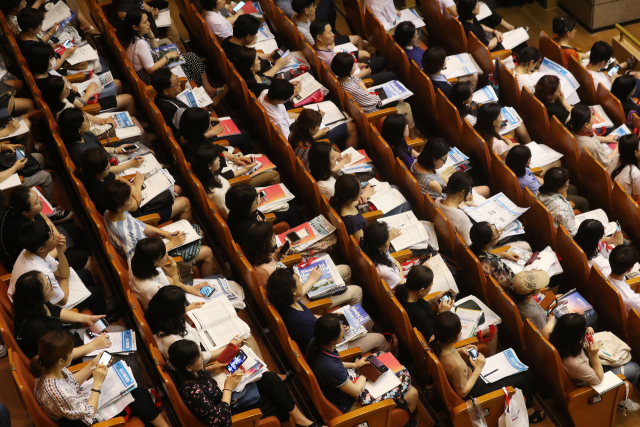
(265, 270)
(579, 369)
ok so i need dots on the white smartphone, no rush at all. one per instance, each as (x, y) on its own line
(238, 7)
(105, 359)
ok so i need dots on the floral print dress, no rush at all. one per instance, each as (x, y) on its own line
(397, 393)
(494, 266)
(203, 397)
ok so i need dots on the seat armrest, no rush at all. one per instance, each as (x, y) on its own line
(500, 54)
(367, 82)
(222, 142)
(151, 219)
(92, 109)
(349, 354)
(485, 399)
(403, 255)
(129, 177)
(320, 306)
(453, 80)
(416, 143)
(175, 258)
(108, 142)
(292, 260)
(372, 216)
(500, 249)
(113, 422)
(462, 343)
(244, 179)
(377, 115)
(6, 278)
(75, 78)
(537, 171)
(270, 217)
(75, 368)
(634, 284)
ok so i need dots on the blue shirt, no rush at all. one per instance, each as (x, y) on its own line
(331, 375)
(415, 53)
(125, 234)
(300, 325)
(530, 181)
(440, 82)
(354, 223)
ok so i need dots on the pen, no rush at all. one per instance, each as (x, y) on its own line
(605, 352)
(486, 375)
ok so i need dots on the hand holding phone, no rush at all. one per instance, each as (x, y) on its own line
(238, 7)
(97, 328)
(105, 359)
(282, 252)
(236, 362)
(473, 353)
(613, 70)
(206, 291)
(20, 154)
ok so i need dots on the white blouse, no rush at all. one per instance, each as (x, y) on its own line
(145, 289)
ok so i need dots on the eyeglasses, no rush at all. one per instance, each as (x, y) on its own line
(445, 159)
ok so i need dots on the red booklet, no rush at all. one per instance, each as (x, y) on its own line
(47, 209)
(267, 165)
(304, 230)
(230, 128)
(249, 7)
(273, 193)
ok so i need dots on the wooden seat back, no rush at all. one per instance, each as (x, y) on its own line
(633, 332)
(444, 230)
(550, 49)
(398, 62)
(505, 180)
(599, 186)
(563, 141)
(341, 231)
(455, 40)
(376, 34)
(626, 212)
(308, 188)
(139, 319)
(510, 93)
(534, 116)
(410, 188)
(363, 268)
(395, 314)
(611, 105)
(354, 14)
(433, 19)
(330, 81)
(606, 300)
(538, 219)
(574, 262)
(449, 119)
(472, 275)
(287, 30)
(511, 325)
(312, 58)
(426, 102)
(586, 91)
(382, 154)
(476, 148)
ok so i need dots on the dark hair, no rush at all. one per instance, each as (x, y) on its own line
(487, 114)
(208, 4)
(622, 258)
(404, 33)
(327, 329)
(281, 288)
(459, 181)
(246, 25)
(29, 19)
(434, 149)
(115, 195)
(446, 328)
(347, 189)
(622, 87)
(147, 252)
(374, 237)
(51, 92)
(257, 246)
(588, 237)
(419, 277)
(239, 199)
(527, 55)
(125, 32)
(52, 346)
(299, 6)
(93, 162)
(69, 122)
(194, 122)
(627, 147)
(393, 132)
(554, 180)
(28, 297)
(301, 128)
(563, 24)
(465, 9)
(546, 88)
(568, 335)
(320, 160)
(19, 200)
(517, 159)
(161, 79)
(205, 155)
(433, 60)
(580, 116)
(280, 90)
(34, 234)
(317, 28)
(8, 5)
(600, 52)
(244, 61)
(480, 235)
(460, 92)
(166, 312)
(342, 64)
(183, 353)
(39, 57)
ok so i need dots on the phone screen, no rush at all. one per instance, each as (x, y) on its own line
(238, 6)
(19, 154)
(99, 326)
(375, 362)
(67, 44)
(473, 353)
(552, 306)
(236, 362)
(105, 359)
(287, 53)
(293, 237)
(613, 70)
(206, 290)
(131, 147)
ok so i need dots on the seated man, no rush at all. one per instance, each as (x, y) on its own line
(38, 239)
(601, 53)
(280, 91)
(325, 40)
(167, 87)
(218, 24)
(622, 259)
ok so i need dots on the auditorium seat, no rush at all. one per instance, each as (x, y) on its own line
(534, 116)
(611, 106)
(510, 93)
(354, 15)
(626, 212)
(511, 326)
(449, 120)
(426, 101)
(455, 40)
(550, 49)
(633, 332)
(398, 62)
(598, 186)
(538, 221)
(376, 34)
(586, 91)
(574, 262)
(410, 189)
(606, 300)
(563, 141)
(505, 180)
(477, 149)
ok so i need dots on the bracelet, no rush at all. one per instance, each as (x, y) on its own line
(97, 391)
(494, 32)
(226, 389)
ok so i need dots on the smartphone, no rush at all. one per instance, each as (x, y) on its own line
(67, 44)
(552, 306)
(105, 359)
(206, 291)
(285, 54)
(343, 320)
(19, 154)
(238, 7)
(293, 237)
(589, 338)
(95, 329)
(473, 353)
(618, 228)
(131, 147)
(446, 297)
(613, 70)
(236, 362)
(262, 194)
(284, 248)
(376, 363)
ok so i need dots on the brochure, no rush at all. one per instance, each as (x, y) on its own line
(502, 365)
(409, 15)
(217, 323)
(163, 19)
(571, 302)
(274, 198)
(514, 38)
(78, 292)
(163, 50)
(568, 82)
(182, 226)
(59, 13)
(311, 232)
(391, 92)
(121, 343)
(486, 95)
(510, 120)
(330, 283)
(413, 231)
(83, 53)
(458, 66)
(497, 210)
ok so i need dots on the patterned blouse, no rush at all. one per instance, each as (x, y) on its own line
(64, 398)
(364, 99)
(561, 211)
(495, 267)
(425, 178)
(204, 399)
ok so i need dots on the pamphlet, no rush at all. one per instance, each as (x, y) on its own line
(542, 155)
(458, 66)
(413, 231)
(83, 53)
(330, 283)
(123, 342)
(469, 320)
(100, 79)
(568, 82)
(59, 13)
(391, 92)
(332, 114)
(275, 196)
(388, 200)
(510, 120)
(117, 386)
(253, 368)
(217, 323)
(314, 230)
(183, 226)
(163, 19)
(497, 210)
(197, 97)
(356, 317)
(442, 278)
(600, 215)
(486, 95)
(514, 38)
(78, 292)
(502, 365)
(345, 48)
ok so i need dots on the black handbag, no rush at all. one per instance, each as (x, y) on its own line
(8, 159)
(162, 200)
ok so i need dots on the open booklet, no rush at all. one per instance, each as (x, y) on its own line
(115, 392)
(568, 83)
(100, 79)
(60, 13)
(83, 53)
(546, 260)
(332, 114)
(274, 197)
(309, 232)
(78, 292)
(182, 226)
(21, 130)
(308, 86)
(388, 200)
(515, 37)
(353, 321)
(497, 210)
(197, 97)
(391, 92)
(502, 365)
(414, 232)
(217, 323)
(610, 227)
(125, 127)
(155, 183)
(542, 155)
(457, 161)
(330, 283)
(409, 15)
(123, 342)
(458, 66)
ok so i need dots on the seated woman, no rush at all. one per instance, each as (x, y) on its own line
(248, 66)
(149, 272)
(492, 20)
(549, 92)
(580, 358)
(461, 96)
(11, 8)
(375, 244)
(332, 375)
(167, 319)
(590, 239)
(324, 163)
(624, 167)
(214, 407)
(433, 62)
(553, 194)
(459, 193)
(518, 160)
(524, 294)
(384, 10)
(259, 247)
(242, 201)
(150, 8)
(25, 206)
(348, 195)
(527, 61)
(623, 88)
(34, 316)
(342, 67)
(58, 95)
(305, 131)
(125, 231)
(206, 167)
(286, 292)
(394, 132)
(60, 393)
(488, 127)
(30, 22)
(463, 378)
(581, 125)
(145, 61)
(408, 38)
(565, 29)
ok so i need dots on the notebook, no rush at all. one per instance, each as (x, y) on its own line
(609, 382)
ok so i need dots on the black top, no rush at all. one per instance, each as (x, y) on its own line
(168, 106)
(444, 86)
(300, 325)
(10, 228)
(475, 28)
(354, 223)
(256, 87)
(189, 150)
(29, 330)
(76, 149)
(421, 316)
(233, 50)
(96, 189)
(25, 45)
(238, 226)
(628, 105)
(43, 83)
(125, 5)
(556, 108)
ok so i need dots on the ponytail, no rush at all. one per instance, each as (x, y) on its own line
(35, 367)
(327, 330)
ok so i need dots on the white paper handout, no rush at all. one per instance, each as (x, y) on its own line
(332, 114)
(442, 278)
(21, 130)
(610, 227)
(164, 18)
(386, 382)
(155, 182)
(469, 320)
(497, 210)
(100, 79)
(458, 66)
(83, 53)
(387, 201)
(123, 342)
(12, 181)
(57, 13)
(515, 37)
(542, 155)
(410, 15)
(345, 48)
(510, 115)
(621, 131)
(197, 97)
(485, 12)
(182, 226)
(125, 127)
(485, 95)
(355, 156)
(217, 323)
(603, 119)
(547, 260)
(502, 365)
(394, 91)
(78, 292)
(149, 165)
(412, 230)
(568, 82)
(490, 317)
(116, 390)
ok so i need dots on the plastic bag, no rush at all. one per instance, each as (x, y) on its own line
(515, 411)
(474, 409)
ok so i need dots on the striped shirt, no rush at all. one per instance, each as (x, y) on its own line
(364, 99)
(124, 235)
(303, 154)
(64, 398)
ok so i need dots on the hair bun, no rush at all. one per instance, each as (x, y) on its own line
(559, 26)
